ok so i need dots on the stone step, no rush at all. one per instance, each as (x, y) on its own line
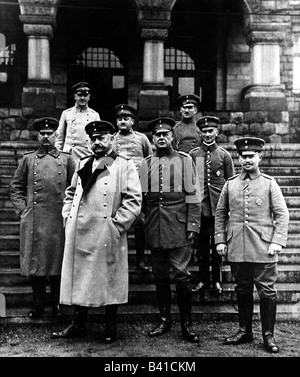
(8, 214)
(292, 201)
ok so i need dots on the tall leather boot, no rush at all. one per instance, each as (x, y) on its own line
(38, 284)
(55, 291)
(268, 317)
(163, 293)
(139, 237)
(78, 326)
(111, 312)
(245, 308)
(184, 301)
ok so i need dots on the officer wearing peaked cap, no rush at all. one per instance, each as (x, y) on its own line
(37, 193)
(217, 166)
(136, 146)
(251, 239)
(171, 204)
(71, 135)
(101, 204)
(186, 133)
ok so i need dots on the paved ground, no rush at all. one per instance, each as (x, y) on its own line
(34, 340)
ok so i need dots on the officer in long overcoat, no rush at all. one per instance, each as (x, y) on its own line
(215, 166)
(251, 226)
(186, 133)
(101, 203)
(37, 192)
(171, 203)
(71, 136)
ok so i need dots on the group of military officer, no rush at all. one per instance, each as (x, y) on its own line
(185, 192)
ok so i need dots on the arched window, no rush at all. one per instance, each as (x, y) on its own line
(98, 57)
(6, 52)
(296, 68)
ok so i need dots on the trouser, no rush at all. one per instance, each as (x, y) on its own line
(110, 317)
(177, 260)
(38, 284)
(207, 254)
(139, 237)
(263, 276)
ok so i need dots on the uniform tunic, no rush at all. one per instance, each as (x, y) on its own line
(187, 136)
(258, 217)
(71, 136)
(216, 164)
(135, 145)
(37, 193)
(172, 200)
(99, 208)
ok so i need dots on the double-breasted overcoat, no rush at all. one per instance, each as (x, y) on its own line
(99, 208)
(37, 192)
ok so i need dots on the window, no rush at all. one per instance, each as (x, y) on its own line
(98, 57)
(6, 52)
(296, 69)
(178, 60)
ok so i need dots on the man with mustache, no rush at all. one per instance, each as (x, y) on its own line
(37, 193)
(186, 133)
(216, 167)
(101, 204)
(251, 226)
(71, 136)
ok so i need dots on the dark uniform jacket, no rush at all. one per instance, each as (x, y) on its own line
(171, 201)
(214, 166)
(257, 215)
(37, 193)
(187, 136)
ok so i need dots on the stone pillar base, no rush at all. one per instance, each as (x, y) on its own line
(38, 97)
(264, 98)
(152, 101)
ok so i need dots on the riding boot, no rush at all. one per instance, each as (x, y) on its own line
(163, 293)
(245, 309)
(268, 317)
(38, 284)
(139, 237)
(184, 301)
(111, 312)
(55, 291)
(78, 326)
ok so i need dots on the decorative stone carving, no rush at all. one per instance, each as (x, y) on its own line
(255, 5)
(154, 34)
(155, 4)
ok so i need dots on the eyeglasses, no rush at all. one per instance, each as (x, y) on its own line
(83, 94)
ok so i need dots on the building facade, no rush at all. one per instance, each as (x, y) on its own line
(242, 57)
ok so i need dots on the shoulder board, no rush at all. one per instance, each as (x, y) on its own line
(70, 109)
(223, 149)
(83, 158)
(92, 110)
(184, 154)
(65, 152)
(233, 177)
(266, 176)
(137, 132)
(29, 152)
(148, 157)
(194, 149)
(123, 156)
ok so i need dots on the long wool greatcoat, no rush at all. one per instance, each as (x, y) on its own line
(99, 208)
(171, 201)
(257, 215)
(37, 193)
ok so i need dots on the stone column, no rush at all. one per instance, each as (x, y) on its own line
(266, 91)
(38, 20)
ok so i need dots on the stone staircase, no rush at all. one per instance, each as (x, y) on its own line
(281, 161)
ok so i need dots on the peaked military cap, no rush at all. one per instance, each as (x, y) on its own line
(45, 124)
(81, 86)
(249, 145)
(99, 127)
(188, 99)
(208, 121)
(124, 109)
(162, 124)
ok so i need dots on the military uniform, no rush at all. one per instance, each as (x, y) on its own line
(37, 193)
(258, 220)
(71, 136)
(215, 166)
(186, 133)
(171, 204)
